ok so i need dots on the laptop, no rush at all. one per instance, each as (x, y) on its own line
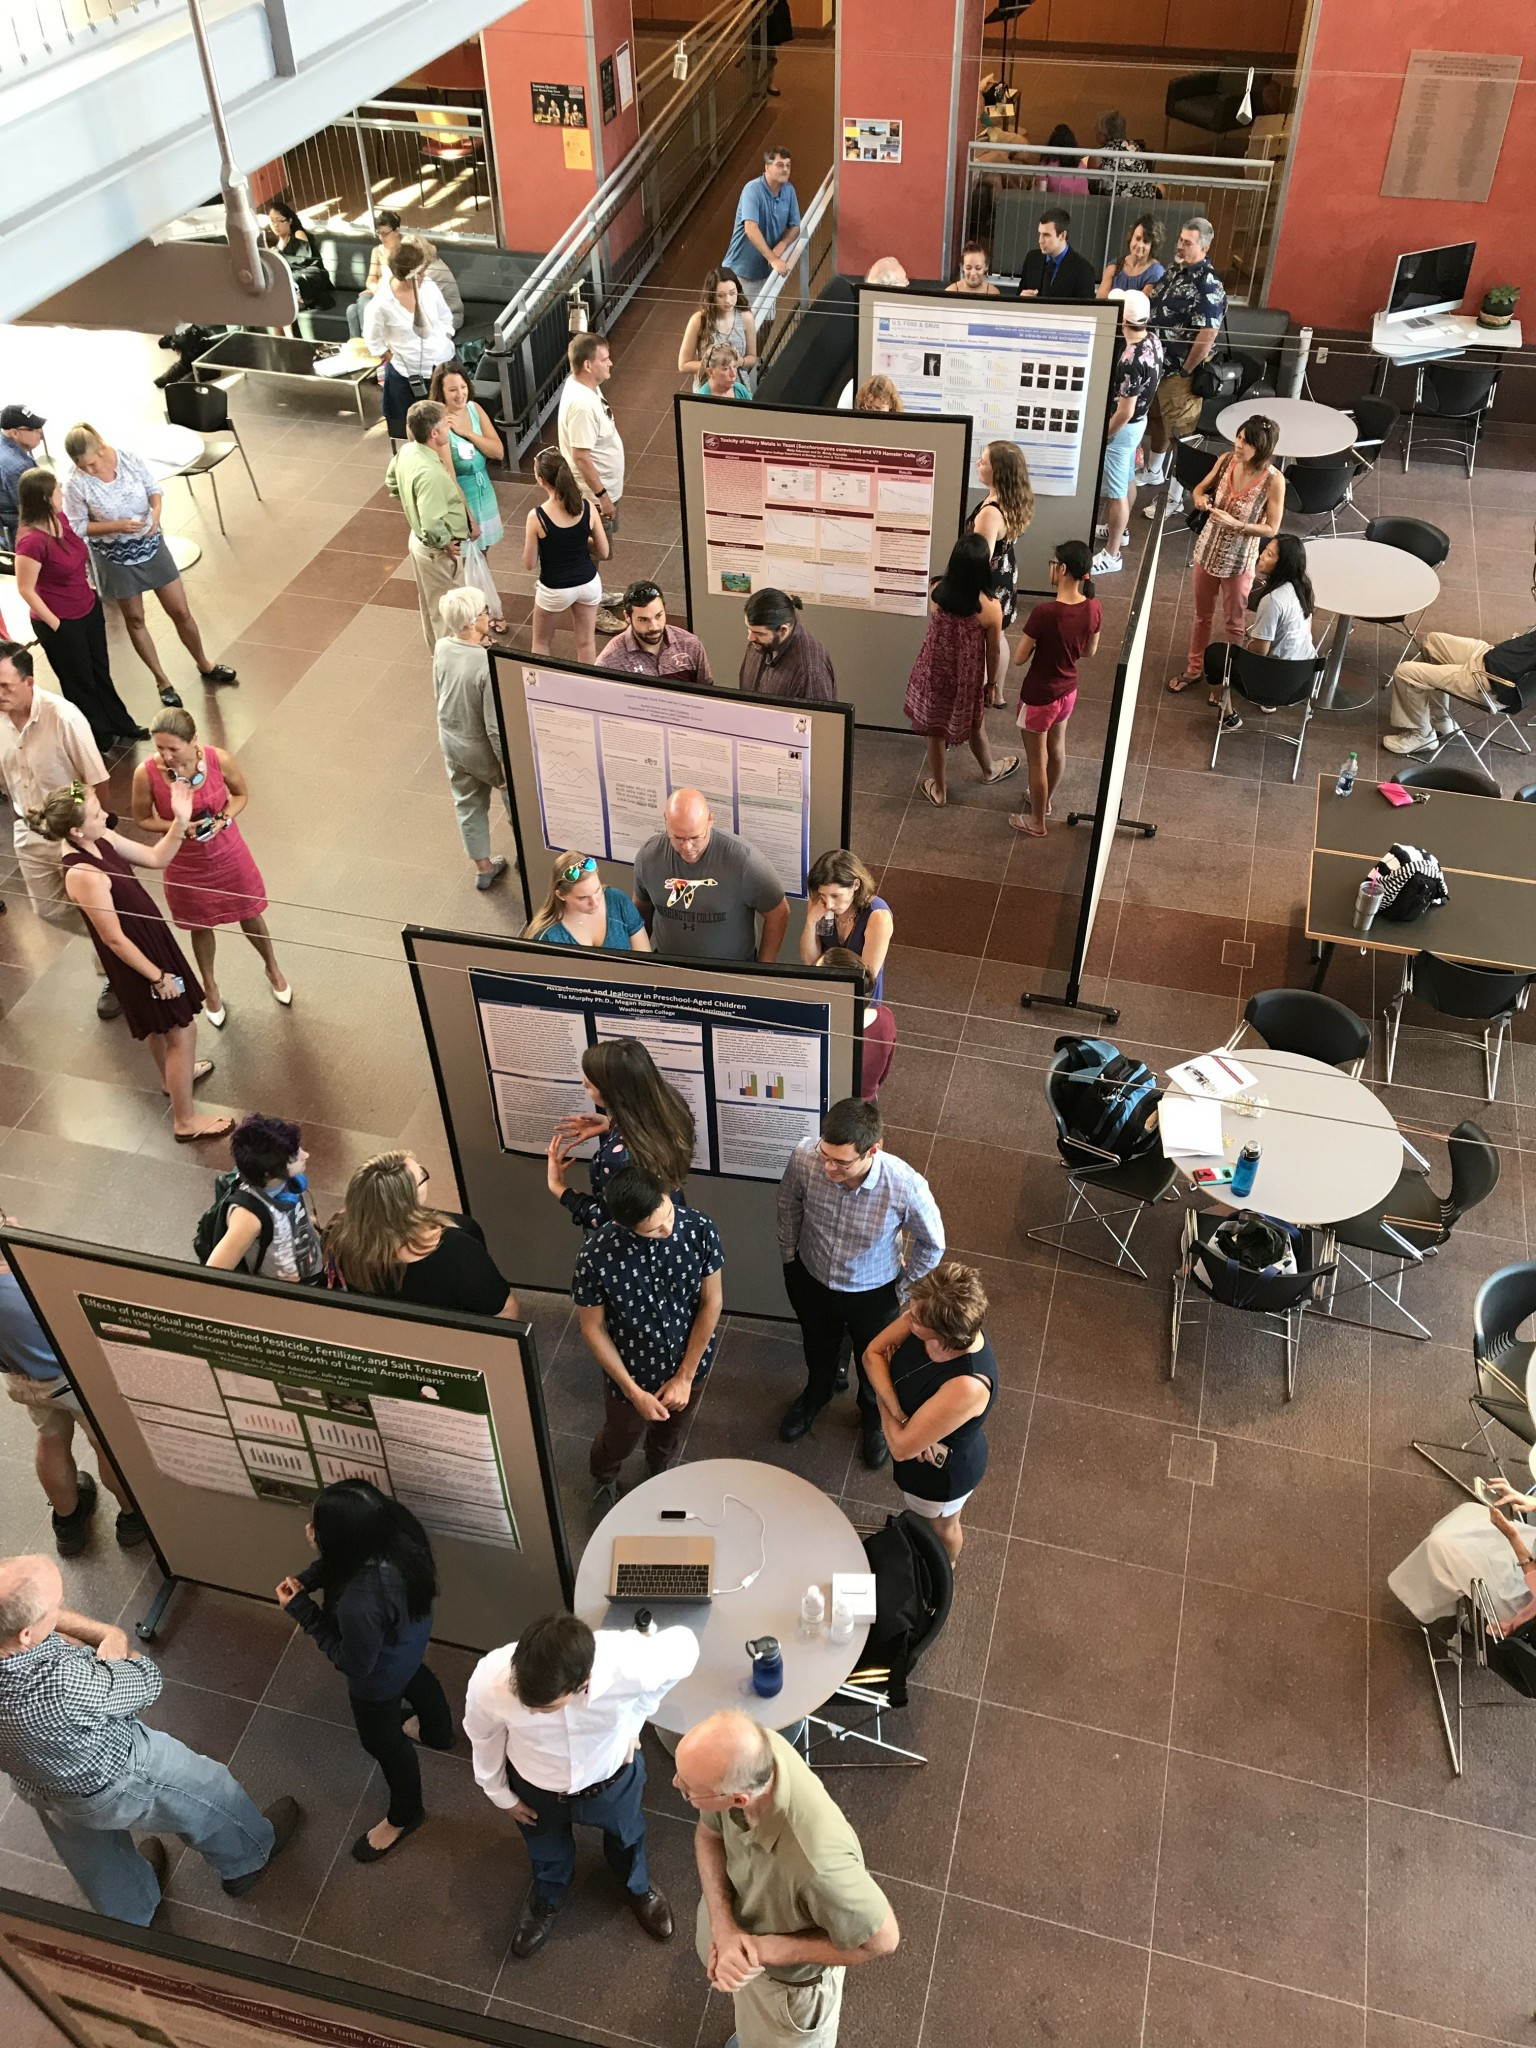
(662, 1568)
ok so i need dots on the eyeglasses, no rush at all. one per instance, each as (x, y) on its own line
(578, 868)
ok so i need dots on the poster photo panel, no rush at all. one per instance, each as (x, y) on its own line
(227, 1402)
(592, 755)
(853, 513)
(757, 1053)
(1032, 371)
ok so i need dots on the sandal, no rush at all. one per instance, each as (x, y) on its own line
(1022, 822)
(1179, 684)
(930, 790)
(1009, 765)
(221, 1129)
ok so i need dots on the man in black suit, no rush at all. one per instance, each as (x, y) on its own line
(1055, 270)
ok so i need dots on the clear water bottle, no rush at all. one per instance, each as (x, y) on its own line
(841, 1630)
(813, 1612)
(1347, 774)
(1246, 1171)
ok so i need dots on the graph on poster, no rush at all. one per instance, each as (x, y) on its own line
(237, 1409)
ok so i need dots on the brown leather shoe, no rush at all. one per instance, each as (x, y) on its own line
(654, 1914)
(533, 1925)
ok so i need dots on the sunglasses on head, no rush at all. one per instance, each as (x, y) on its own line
(578, 868)
(640, 593)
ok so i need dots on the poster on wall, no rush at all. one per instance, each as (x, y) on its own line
(607, 90)
(607, 755)
(871, 142)
(832, 524)
(237, 1409)
(1020, 371)
(753, 1069)
(559, 106)
(624, 64)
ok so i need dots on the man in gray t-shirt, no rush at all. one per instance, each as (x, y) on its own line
(698, 887)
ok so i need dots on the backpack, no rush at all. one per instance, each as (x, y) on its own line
(228, 1193)
(1411, 883)
(1110, 1099)
(905, 1601)
(1251, 1247)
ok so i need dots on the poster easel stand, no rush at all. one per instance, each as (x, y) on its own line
(147, 1629)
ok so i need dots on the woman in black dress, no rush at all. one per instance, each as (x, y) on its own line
(373, 1619)
(147, 970)
(935, 1377)
(386, 1241)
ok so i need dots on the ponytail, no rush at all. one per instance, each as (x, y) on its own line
(552, 470)
(1076, 560)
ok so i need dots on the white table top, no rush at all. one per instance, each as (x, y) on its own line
(1306, 428)
(1330, 1149)
(1365, 579)
(802, 1539)
(1452, 334)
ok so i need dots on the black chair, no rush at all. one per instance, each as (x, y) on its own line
(1374, 420)
(1299, 1020)
(1486, 995)
(1459, 781)
(205, 409)
(1501, 1360)
(1282, 1299)
(1458, 394)
(1482, 725)
(1091, 1171)
(1265, 680)
(1475, 1633)
(1410, 1224)
(1526, 795)
(1318, 490)
(1213, 100)
(1193, 462)
(1414, 537)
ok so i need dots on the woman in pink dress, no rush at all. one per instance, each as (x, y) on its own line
(213, 880)
(955, 675)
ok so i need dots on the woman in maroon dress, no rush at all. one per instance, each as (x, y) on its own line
(138, 950)
(952, 683)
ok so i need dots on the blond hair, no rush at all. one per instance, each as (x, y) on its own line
(951, 1302)
(60, 811)
(82, 439)
(1011, 486)
(552, 909)
(384, 1217)
(877, 394)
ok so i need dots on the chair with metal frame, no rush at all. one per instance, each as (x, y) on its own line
(1501, 1363)
(1481, 725)
(1283, 1297)
(1274, 684)
(1428, 774)
(1457, 394)
(1430, 543)
(1319, 490)
(1473, 1625)
(1374, 420)
(1411, 1223)
(205, 409)
(1300, 1020)
(1489, 996)
(1138, 1182)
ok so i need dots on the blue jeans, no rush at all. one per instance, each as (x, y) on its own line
(552, 1845)
(166, 1789)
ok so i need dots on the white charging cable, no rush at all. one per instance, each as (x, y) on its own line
(762, 1538)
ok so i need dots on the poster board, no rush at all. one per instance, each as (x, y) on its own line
(1032, 371)
(853, 513)
(758, 1052)
(227, 1401)
(592, 756)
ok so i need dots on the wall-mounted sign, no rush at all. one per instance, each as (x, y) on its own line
(871, 142)
(578, 149)
(559, 106)
(607, 90)
(624, 63)
(1450, 125)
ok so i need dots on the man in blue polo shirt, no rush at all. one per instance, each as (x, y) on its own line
(767, 221)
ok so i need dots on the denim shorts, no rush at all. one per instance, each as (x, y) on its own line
(1120, 458)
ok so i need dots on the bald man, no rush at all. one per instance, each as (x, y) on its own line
(887, 270)
(700, 890)
(72, 1743)
(788, 1907)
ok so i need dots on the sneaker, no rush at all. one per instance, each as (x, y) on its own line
(1101, 532)
(1231, 723)
(605, 1495)
(1409, 742)
(1106, 564)
(107, 1005)
(1175, 497)
(610, 621)
(72, 1532)
(492, 875)
(130, 1528)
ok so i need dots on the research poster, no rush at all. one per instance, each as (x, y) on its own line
(831, 524)
(753, 1070)
(235, 1409)
(1020, 370)
(607, 755)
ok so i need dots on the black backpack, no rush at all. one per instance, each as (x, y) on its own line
(1109, 1098)
(228, 1193)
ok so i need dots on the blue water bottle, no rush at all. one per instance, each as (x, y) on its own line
(1246, 1171)
(767, 1666)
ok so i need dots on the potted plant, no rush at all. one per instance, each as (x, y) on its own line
(1498, 307)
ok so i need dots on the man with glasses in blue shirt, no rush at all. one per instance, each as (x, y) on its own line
(845, 1204)
(767, 222)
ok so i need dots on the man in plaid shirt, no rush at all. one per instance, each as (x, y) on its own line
(72, 1743)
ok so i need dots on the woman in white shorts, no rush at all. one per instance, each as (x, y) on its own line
(935, 1378)
(564, 543)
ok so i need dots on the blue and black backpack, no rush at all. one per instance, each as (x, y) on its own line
(1107, 1098)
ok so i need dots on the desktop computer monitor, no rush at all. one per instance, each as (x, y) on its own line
(1430, 281)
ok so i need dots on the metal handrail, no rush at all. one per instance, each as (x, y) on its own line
(814, 250)
(1112, 160)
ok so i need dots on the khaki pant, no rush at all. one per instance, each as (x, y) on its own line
(437, 572)
(774, 2015)
(1175, 410)
(41, 870)
(1422, 690)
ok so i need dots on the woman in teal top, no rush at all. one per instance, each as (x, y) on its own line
(471, 440)
(722, 374)
(579, 911)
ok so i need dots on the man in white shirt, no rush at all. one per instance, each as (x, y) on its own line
(555, 1721)
(44, 744)
(589, 441)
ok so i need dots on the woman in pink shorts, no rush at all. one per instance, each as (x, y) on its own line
(1056, 636)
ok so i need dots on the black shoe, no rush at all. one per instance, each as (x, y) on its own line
(72, 1532)
(653, 1912)
(364, 1852)
(605, 1495)
(152, 1849)
(533, 1925)
(1231, 723)
(877, 1451)
(285, 1815)
(130, 1528)
(171, 701)
(219, 673)
(134, 732)
(107, 1005)
(798, 1417)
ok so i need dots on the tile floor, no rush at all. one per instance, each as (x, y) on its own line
(1186, 1785)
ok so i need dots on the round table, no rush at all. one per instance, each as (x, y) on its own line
(1330, 1149)
(1363, 579)
(1306, 428)
(803, 1537)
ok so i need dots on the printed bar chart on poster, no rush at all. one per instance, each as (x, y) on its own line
(243, 1410)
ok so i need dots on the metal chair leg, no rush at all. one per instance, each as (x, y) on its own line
(1127, 1258)
(1450, 1654)
(1481, 1445)
(1494, 1034)
(256, 487)
(218, 508)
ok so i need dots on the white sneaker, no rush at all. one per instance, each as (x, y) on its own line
(1409, 742)
(1101, 533)
(1106, 564)
(1175, 497)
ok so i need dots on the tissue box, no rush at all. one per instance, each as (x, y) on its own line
(857, 1592)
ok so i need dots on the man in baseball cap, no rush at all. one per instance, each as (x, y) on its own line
(20, 432)
(1135, 380)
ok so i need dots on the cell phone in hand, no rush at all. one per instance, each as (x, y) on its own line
(1485, 1493)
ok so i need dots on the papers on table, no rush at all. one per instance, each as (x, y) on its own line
(1189, 1126)
(1214, 1074)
